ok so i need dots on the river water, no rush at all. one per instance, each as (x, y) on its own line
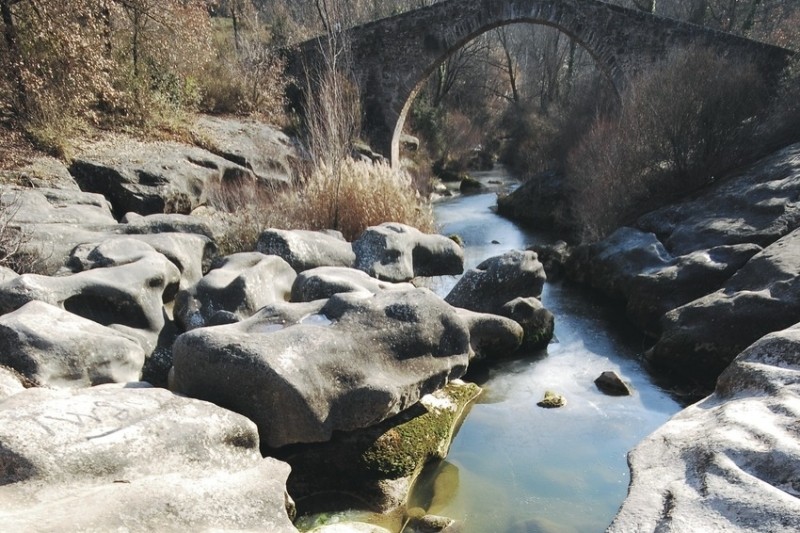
(515, 467)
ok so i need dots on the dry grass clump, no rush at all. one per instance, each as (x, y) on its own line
(359, 195)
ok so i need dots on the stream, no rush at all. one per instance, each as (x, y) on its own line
(515, 467)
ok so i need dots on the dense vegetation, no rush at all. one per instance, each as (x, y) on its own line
(524, 93)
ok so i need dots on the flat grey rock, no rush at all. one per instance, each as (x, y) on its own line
(154, 177)
(133, 458)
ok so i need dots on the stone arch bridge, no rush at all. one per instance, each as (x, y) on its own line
(393, 57)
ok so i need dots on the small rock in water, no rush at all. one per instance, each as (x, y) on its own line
(552, 400)
(611, 384)
(433, 524)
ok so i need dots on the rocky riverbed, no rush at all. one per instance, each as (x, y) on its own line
(147, 383)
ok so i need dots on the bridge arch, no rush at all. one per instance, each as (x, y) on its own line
(606, 65)
(393, 57)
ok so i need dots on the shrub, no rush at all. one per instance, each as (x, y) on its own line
(244, 79)
(362, 193)
(682, 122)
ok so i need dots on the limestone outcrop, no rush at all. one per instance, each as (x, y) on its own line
(730, 462)
(701, 338)
(710, 275)
(160, 177)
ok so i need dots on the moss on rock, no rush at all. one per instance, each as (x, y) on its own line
(377, 466)
(404, 449)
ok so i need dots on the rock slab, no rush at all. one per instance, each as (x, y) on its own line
(731, 462)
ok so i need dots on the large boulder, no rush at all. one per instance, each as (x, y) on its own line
(115, 458)
(154, 177)
(323, 282)
(238, 286)
(10, 382)
(305, 250)
(730, 462)
(611, 264)
(701, 338)
(55, 348)
(491, 337)
(375, 467)
(756, 206)
(123, 285)
(498, 280)
(538, 324)
(304, 370)
(396, 252)
(540, 201)
(42, 206)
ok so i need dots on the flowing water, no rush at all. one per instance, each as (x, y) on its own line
(515, 467)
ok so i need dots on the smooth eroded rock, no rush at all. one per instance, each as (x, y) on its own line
(498, 280)
(323, 282)
(396, 252)
(114, 458)
(304, 370)
(701, 338)
(730, 462)
(52, 347)
(123, 287)
(304, 250)
(238, 286)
